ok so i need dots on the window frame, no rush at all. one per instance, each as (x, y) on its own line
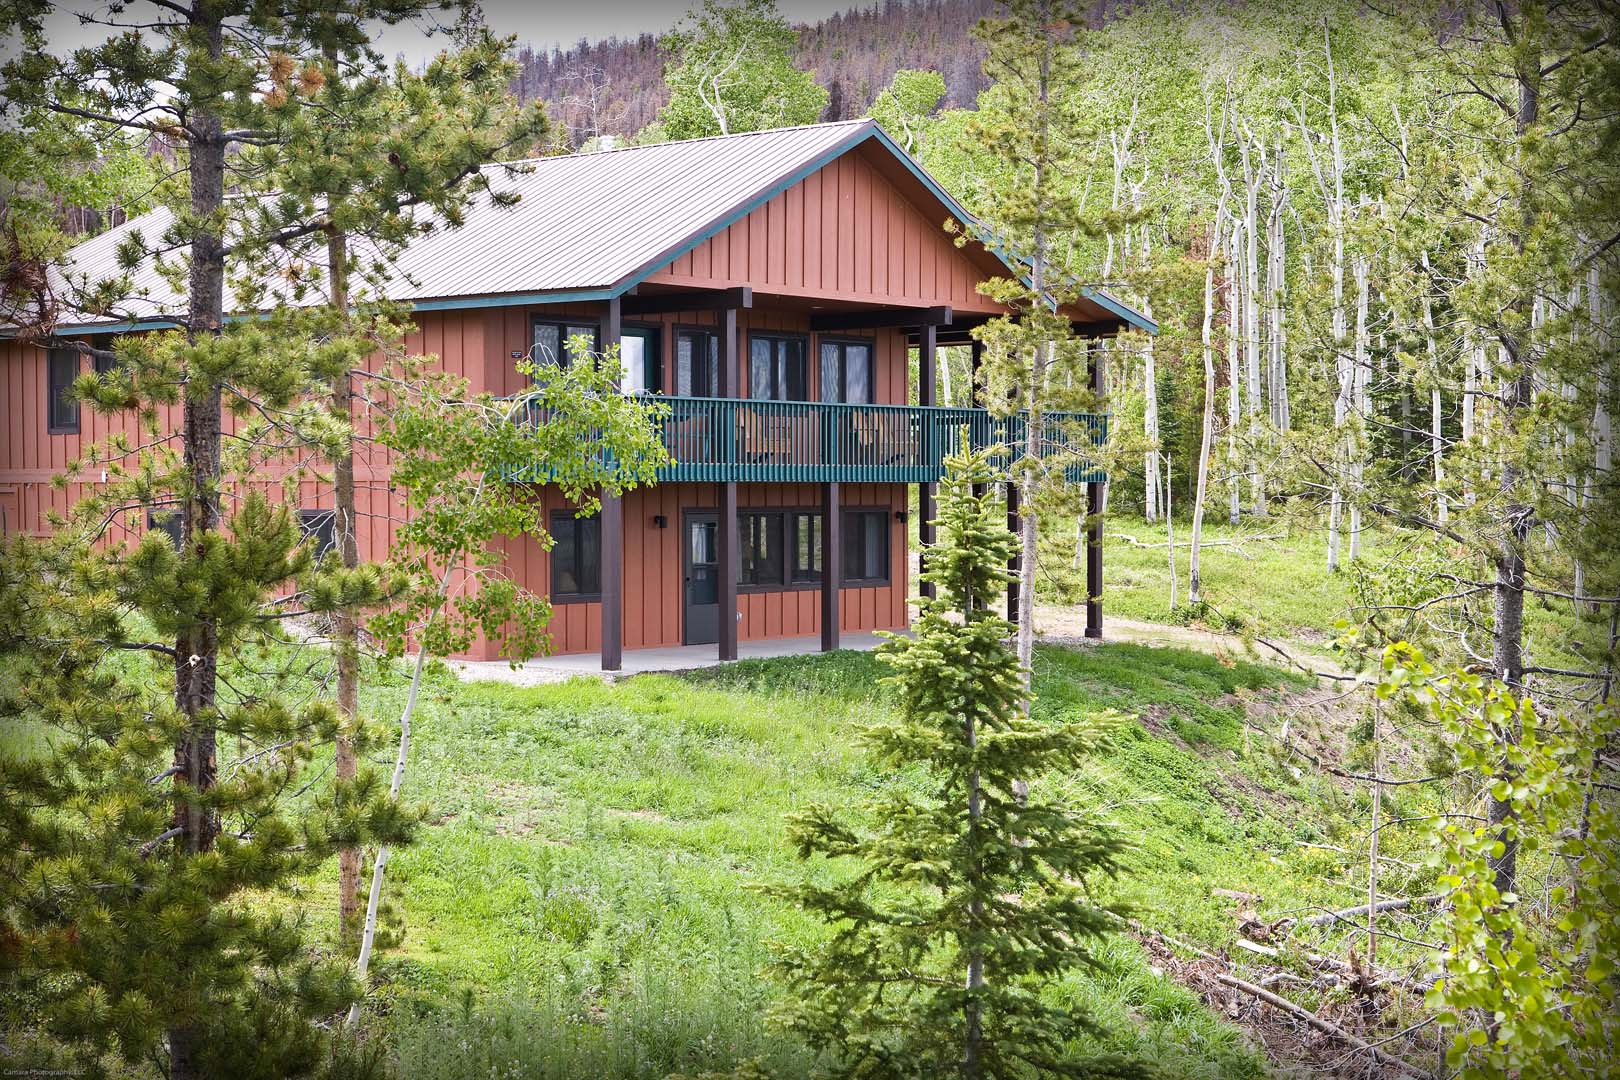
(103, 365)
(782, 582)
(850, 514)
(711, 333)
(555, 595)
(562, 323)
(653, 362)
(809, 577)
(780, 336)
(842, 342)
(320, 524)
(56, 392)
(170, 511)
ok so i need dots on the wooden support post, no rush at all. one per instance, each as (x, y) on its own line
(1015, 525)
(927, 336)
(612, 582)
(728, 501)
(1094, 527)
(611, 324)
(832, 564)
(612, 554)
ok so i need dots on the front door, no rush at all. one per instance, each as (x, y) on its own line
(701, 564)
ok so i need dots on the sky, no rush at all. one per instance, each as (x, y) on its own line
(541, 23)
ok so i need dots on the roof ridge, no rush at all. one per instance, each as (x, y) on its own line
(853, 123)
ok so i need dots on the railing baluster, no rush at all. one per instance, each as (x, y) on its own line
(723, 439)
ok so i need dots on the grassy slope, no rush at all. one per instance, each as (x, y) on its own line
(591, 847)
(1280, 587)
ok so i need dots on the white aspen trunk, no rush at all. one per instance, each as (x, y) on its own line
(946, 390)
(1341, 403)
(1602, 425)
(1276, 282)
(1170, 532)
(1437, 440)
(1150, 424)
(1234, 375)
(1253, 177)
(1195, 581)
(1361, 377)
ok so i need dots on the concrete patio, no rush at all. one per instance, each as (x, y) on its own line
(555, 669)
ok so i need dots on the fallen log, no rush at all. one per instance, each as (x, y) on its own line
(1324, 1026)
(1376, 909)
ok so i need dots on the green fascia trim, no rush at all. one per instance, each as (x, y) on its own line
(125, 327)
(1130, 315)
(564, 296)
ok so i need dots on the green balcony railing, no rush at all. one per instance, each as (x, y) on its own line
(734, 439)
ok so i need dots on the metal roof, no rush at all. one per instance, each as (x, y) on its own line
(584, 226)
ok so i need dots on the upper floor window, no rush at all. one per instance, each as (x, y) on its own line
(555, 341)
(63, 411)
(697, 364)
(318, 527)
(639, 361)
(576, 556)
(846, 371)
(105, 361)
(777, 369)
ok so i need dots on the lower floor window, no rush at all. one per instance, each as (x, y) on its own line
(168, 521)
(866, 547)
(806, 547)
(576, 556)
(761, 550)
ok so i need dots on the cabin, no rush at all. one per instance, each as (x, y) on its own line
(770, 286)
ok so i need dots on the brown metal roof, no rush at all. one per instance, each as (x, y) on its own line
(584, 225)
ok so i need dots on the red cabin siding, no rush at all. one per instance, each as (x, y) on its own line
(846, 232)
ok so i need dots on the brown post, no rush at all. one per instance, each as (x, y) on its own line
(612, 581)
(612, 534)
(728, 498)
(1094, 527)
(927, 337)
(832, 564)
(1015, 525)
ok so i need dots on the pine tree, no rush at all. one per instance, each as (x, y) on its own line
(967, 901)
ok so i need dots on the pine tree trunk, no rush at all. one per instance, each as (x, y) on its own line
(346, 624)
(197, 647)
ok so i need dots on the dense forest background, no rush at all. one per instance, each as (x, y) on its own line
(616, 86)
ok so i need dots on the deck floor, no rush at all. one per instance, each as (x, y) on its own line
(551, 669)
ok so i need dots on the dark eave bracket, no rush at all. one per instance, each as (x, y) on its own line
(690, 300)
(869, 320)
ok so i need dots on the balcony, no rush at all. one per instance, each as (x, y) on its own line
(732, 439)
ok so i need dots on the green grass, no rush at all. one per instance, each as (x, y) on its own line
(579, 905)
(1274, 582)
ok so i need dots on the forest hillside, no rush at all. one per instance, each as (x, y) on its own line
(616, 86)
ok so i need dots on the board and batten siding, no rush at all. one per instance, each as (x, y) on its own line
(653, 571)
(848, 233)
